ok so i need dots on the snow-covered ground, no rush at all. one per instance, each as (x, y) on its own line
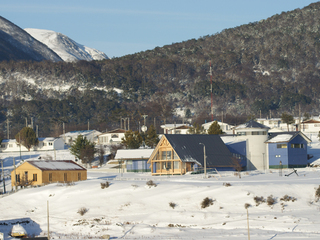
(129, 209)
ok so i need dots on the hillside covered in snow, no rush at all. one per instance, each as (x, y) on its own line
(65, 47)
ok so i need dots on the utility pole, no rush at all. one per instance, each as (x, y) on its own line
(210, 73)
(48, 219)
(64, 132)
(88, 124)
(128, 123)
(204, 160)
(144, 117)
(32, 122)
(3, 179)
(15, 175)
(26, 122)
(37, 131)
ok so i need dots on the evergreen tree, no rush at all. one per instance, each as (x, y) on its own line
(151, 138)
(27, 137)
(214, 128)
(83, 149)
(287, 118)
(132, 140)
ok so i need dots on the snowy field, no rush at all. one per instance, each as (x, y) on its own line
(129, 209)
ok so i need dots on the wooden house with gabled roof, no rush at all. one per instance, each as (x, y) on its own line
(38, 172)
(179, 154)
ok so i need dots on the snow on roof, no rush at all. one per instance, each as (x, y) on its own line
(251, 124)
(281, 138)
(82, 132)
(47, 139)
(56, 165)
(173, 125)
(133, 153)
(8, 140)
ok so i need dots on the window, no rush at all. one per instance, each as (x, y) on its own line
(168, 165)
(168, 154)
(26, 176)
(176, 165)
(3, 145)
(10, 145)
(35, 177)
(163, 155)
(79, 176)
(65, 177)
(18, 178)
(114, 136)
(50, 143)
(44, 144)
(50, 177)
(281, 145)
(175, 156)
(296, 145)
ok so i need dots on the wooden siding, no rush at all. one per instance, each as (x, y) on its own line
(165, 161)
(43, 176)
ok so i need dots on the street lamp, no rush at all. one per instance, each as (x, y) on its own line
(204, 160)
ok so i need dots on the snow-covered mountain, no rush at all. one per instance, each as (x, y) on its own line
(66, 48)
(16, 44)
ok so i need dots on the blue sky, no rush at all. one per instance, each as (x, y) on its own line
(120, 27)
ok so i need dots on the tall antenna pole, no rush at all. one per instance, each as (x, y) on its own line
(210, 73)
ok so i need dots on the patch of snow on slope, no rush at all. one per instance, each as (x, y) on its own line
(66, 48)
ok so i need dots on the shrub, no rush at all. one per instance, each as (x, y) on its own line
(271, 200)
(247, 205)
(259, 200)
(172, 204)
(317, 194)
(105, 185)
(226, 184)
(287, 198)
(206, 202)
(82, 211)
(150, 184)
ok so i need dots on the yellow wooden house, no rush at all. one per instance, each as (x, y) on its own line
(39, 172)
(179, 154)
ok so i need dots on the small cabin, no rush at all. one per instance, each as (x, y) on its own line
(38, 172)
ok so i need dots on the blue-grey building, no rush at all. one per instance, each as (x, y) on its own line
(289, 148)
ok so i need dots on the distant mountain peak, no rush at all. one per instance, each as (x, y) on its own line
(16, 44)
(65, 47)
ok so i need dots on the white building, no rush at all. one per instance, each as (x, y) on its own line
(255, 134)
(45, 144)
(112, 137)
(175, 128)
(69, 137)
(277, 124)
(225, 127)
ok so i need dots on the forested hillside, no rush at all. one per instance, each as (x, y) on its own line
(268, 65)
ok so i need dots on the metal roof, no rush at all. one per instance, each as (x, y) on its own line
(285, 137)
(251, 124)
(189, 149)
(53, 165)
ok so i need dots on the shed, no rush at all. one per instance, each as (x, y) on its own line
(38, 172)
(134, 160)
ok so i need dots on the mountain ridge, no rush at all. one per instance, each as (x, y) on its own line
(65, 47)
(16, 44)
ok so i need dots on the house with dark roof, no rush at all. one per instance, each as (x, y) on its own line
(179, 154)
(289, 148)
(38, 172)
